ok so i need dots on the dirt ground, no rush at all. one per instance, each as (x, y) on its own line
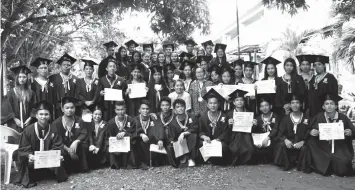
(202, 177)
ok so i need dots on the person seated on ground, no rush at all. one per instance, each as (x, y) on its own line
(73, 133)
(148, 132)
(122, 126)
(323, 161)
(40, 136)
(213, 125)
(182, 127)
(266, 122)
(292, 135)
(241, 144)
(98, 138)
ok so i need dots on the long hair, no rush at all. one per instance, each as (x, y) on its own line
(140, 77)
(119, 57)
(165, 72)
(140, 57)
(25, 93)
(266, 75)
(161, 53)
(152, 80)
(293, 62)
(232, 76)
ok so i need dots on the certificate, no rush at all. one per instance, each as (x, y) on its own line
(137, 90)
(250, 88)
(258, 138)
(243, 121)
(155, 148)
(331, 131)
(113, 94)
(266, 87)
(119, 145)
(213, 149)
(180, 148)
(47, 159)
(223, 90)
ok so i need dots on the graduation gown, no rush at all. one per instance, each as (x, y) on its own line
(123, 160)
(221, 132)
(250, 103)
(215, 61)
(29, 143)
(328, 84)
(123, 69)
(285, 157)
(154, 96)
(119, 84)
(196, 92)
(46, 92)
(325, 162)
(84, 93)
(79, 131)
(134, 103)
(99, 140)
(241, 145)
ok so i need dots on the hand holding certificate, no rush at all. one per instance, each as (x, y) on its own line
(113, 94)
(331, 131)
(47, 159)
(119, 145)
(266, 87)
(155, 148)
(243, 121)
(258, 138)
(137, 90)
(180, 148)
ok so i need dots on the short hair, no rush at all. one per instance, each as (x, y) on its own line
(179, 101)
(120, 103)
(145, 102)
(179, 80)
(166, 99)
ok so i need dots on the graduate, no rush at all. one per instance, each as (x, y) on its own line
(123, 65)
(180, 93)
(74, 133)
(190, 45)
(267, 121)
(21, 98)
(87, 86)
(148, 132)
(136, 57)
(220, 59)
(213, 125)
(41, 86)
(323, 161)
(187, 75)
(121, 126)
(305, 62)
(154, 58)
(322, 83)
(149, 48)
(161, 59)
(168, 74)
(183, 126)
(292, 136)
(111, 80)
(98, 138)
(168, 48)
(270, 70)
(201, 52)
(131, 45)
(136, 77)
(227, 76)
(215, 74)
(156, 88)
(175, 61)
(238, 68)
(287, 84)
(110, 49)
(202, 61)
(249, 69)
(208, 46)
(40, 136)
(241, 144)
(146, 63)
(197, 91)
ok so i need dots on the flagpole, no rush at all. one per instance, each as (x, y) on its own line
(238, 30)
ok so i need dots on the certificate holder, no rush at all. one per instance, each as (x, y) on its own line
(331, 131)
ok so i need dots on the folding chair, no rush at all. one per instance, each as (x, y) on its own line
(9, 149)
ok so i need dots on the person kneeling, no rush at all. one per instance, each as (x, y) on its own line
(39, 136)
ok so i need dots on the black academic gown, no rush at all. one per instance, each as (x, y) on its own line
(285, 157)
(221, 132)
(163, 123)
(123, 160)
(134, 103)
(48, 93)
(83, 94)
(325, 162)
(155, 96)
(215, 61)
(250, 104)
(99, 140)
(119, 84)
(265, 155)
(29, 143)
(79, 131)
(328, 84)
(241, 145)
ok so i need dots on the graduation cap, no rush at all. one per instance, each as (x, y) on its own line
(265, 98)
(270, 60)
(169, 67)
(130, 42)
(185, 54)
(220, 46)
(292, 97)
(148, 46)
(203, 58)
(215, 68)
(39, 61)
(66, 57)
(156, 68)
(239, 62)
(227, 68)
(237, 94)
(110, 44)
(213, 94)
(305, 57)
(207, 43)
(43, 105)
(190, 41)
(89, 63)
(95, 107)
(21, 68)
(249, 64)
(186, 63)
(320, 58)
(166, 44)
(68, 99)
(330, 96)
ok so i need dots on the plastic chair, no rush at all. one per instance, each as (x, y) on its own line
(8, 149)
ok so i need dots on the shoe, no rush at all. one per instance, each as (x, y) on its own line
(144, 166)
(191, 163)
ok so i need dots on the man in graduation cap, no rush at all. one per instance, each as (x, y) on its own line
(131, 45)
(168, 48)
(110, 47)
(325, 159)
(40, 136)
(148, 48)
(305, 62)
(190, 45)
(213, 125)
(208, 46)
(73, 132)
